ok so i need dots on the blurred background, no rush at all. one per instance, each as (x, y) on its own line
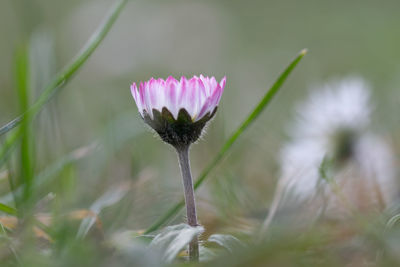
(250, 42)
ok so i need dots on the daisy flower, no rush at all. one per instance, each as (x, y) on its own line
(178, 112)
(332, 126)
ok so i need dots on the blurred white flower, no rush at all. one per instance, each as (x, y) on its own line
(339, 105)
(299, 166)
(333, 124)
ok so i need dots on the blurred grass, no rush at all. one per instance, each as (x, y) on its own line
(64, 76)
(246, 40)
(26, 171)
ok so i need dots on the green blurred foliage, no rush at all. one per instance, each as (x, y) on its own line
(90, 138)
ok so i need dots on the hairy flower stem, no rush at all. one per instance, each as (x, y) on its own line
(183, 155)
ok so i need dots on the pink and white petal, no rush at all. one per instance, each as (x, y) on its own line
(185, 98)
(171, 90)
(147, 100)
(223, 83)
(141, 96)
(134, 92)
(202, 89)
(213, 84)
(221, 88)
(153, 93)
(178, 93)
(204, 109)
(191, 100)
(215, 97)
(183, 84)
(136, 97)
(161, 102)
(220, 91)
(206, 82)
(201, 97)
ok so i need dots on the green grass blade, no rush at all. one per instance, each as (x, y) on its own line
(26, 167)
(7, 209)
(67, 73)
(232, 139)
(9, 144)
(52, 171)
(106, 142)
